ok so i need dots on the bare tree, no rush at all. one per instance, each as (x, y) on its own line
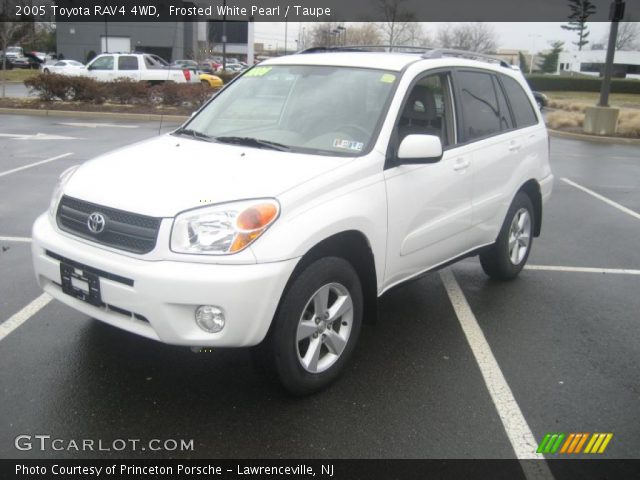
(477, 37)
(628, 36)
(365, 33)
(399, 26)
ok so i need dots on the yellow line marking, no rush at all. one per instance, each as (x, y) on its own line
(605, 443)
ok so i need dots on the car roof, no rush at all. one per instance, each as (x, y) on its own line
(395, 61)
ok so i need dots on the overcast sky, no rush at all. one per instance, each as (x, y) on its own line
(511, 35)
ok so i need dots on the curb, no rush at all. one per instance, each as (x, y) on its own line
(151, 117)
(593, 138)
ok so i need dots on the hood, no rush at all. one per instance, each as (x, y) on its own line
(166, 175)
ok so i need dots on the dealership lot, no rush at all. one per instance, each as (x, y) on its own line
(564, 338)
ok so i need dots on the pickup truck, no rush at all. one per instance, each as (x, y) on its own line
(143, 67)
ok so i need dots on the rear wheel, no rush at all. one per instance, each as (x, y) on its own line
(317, 326)
(506, 258)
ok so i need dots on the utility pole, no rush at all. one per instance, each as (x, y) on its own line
(224, 35)
(286, 24)
(617, 13)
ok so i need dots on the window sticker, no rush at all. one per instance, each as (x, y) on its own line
(258, 72)
(388, 78)
(348, 144)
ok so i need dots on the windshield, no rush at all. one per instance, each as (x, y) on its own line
(306, 108)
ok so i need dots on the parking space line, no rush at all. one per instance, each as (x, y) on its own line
(15, 239)
(522, 440)
(23, 315)
(559, 268)
(31, 165)
(622, 208)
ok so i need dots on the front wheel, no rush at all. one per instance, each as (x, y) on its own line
(317, 326)
(507, 256)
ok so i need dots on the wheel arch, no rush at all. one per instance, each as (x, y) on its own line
(532, 189)
(354, 247)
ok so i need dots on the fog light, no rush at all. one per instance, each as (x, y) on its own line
(210, 318)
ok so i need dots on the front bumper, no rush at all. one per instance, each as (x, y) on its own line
(162, 300)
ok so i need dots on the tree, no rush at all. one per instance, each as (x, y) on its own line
(524, 68)
(550, 59)
(399, 25)
(628, 36)
(581, 10)
(11, 32)
(365, 33)
(476, 37)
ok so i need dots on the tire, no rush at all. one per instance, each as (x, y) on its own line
(300, 330)
(46, 71)
(204, 83)
(507, 256)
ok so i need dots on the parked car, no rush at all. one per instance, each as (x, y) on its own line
(278, 214)
(541, 99)
(142, 67)
(184, 64)
(64, 67)
(212, 81)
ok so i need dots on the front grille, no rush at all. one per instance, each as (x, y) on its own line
(122, 230)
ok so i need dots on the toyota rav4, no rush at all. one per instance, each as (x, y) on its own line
(284, 207)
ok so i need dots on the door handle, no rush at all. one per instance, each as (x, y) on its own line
(461, 164)
(514, 147)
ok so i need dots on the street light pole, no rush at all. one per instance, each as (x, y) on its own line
(224, 35)
(617, 13)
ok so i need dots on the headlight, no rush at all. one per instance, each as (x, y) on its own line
(223, 229)
(57, 191)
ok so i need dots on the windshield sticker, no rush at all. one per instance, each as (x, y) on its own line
(348, 144)
(388, 78)
(257, 72)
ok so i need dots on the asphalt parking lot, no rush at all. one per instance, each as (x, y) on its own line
(565, 338)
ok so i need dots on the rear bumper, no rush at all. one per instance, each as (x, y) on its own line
(161, 301)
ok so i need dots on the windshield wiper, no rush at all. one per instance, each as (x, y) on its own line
(253, 142)
(193, 133)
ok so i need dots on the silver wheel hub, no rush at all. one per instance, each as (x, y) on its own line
(519, 236)
(324, 328)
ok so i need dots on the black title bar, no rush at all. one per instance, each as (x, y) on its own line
(304, 10)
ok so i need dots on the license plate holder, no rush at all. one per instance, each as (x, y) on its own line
(74, 281)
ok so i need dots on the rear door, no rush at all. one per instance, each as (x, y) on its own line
(128, 67)
(488, 130)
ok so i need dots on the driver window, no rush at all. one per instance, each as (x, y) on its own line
(103, 63)
(427, 109)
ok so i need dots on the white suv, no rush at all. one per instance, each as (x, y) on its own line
(280, 212)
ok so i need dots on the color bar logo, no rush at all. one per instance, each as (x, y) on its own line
(553, 443)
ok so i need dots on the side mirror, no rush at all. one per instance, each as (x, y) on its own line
(418, 149)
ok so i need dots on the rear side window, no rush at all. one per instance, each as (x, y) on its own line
(479, 105)
(128, 63)
(523, 111)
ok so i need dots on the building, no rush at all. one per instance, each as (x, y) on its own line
(169, 40)
(591, 62)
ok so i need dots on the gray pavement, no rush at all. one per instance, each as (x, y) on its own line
(566, 342)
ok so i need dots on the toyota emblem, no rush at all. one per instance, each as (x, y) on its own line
(96, 223)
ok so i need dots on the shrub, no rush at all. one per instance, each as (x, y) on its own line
(562, 119)
(629, 123)
(557, 83)
(127, 91)
(84, 89)
(49, 86)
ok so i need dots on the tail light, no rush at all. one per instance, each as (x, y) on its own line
(187, 75)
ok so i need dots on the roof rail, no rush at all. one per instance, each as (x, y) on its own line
(450, 52)
(427, 52)
(366, 48)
